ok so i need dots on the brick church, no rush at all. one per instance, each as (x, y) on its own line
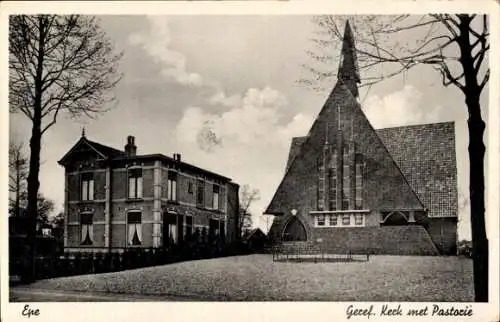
(351, 188)
(117, 199)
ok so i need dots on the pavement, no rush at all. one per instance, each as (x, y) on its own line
(28, 294)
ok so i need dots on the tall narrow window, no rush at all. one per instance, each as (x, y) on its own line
(172, 185)
(215, 201)
(321, 183)
(87, 229)
(135, 184)
(171, 222)
(134, 228)
(88, 186)
(346, 182)
(359, 185)
(333, 183)
(200, 192)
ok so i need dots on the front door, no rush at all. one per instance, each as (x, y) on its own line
(294, 230)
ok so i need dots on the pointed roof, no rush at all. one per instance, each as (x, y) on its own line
(348, 72)
(104, 151)
(393, 190)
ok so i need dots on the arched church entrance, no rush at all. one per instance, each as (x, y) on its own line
(294, 230)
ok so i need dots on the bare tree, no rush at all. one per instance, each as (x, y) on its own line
(456, 46)
(18, 173)
(57, 65)
(247, 197)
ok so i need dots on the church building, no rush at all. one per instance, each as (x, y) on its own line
(351, 188)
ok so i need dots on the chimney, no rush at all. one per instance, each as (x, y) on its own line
(177, 157)
(130, 148)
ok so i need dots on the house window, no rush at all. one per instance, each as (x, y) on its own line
(359, 186)
(346, 182)
(200, 192)
(321, 220)
(172, 185)
(189, 226)
(134, 228)
(215, 201)
(190, 187)
(87, 229)
(346, 220)
(87, 186)
(333, 220)
(135, 184)
(358, 220)
(171, 222)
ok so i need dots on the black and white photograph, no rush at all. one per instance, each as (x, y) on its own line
(252, 157)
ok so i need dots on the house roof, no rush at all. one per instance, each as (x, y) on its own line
(426, 155)
(104, 151)
(112, 154)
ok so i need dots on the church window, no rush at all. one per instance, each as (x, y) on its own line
(346, 183)
(359, 185)
(321, 220)
(333, 183)
(333, 220)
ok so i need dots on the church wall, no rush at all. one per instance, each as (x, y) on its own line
(444, 234)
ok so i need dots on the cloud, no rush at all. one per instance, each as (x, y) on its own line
(249, 143)
(157, 44)
(403, 107)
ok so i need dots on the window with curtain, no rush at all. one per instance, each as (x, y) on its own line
(134, 228)
(172, 185)
(87, 186)
(87, 229)
(200, 192)
(135, 184)
(215, 201)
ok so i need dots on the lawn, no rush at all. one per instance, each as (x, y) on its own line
(258, 278)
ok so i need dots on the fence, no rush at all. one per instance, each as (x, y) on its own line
(311, 252)
(79, 263)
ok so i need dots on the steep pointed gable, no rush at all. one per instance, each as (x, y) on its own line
(385, 185)
(348, 72)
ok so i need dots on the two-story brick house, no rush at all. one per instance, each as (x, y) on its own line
(356, 189)
(118, 199)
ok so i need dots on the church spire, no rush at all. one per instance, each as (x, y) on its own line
(348, 70)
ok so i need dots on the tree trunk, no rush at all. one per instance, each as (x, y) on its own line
(476, 190)
(34, 170)
(477, 149)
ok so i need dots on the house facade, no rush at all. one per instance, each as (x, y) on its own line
(117, 199)
(356, 189)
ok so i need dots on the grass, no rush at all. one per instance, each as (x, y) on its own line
(258, 278)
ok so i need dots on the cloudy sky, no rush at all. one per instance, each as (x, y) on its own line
(235, 75)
